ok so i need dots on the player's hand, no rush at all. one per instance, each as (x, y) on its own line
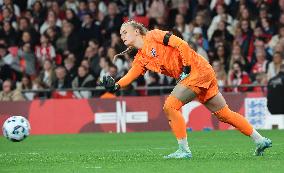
(109, 84)
(185, 73)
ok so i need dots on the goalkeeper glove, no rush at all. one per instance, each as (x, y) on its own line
(185, 73)
(109, 84)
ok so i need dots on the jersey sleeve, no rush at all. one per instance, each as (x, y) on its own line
(135, 71)
(173, 41)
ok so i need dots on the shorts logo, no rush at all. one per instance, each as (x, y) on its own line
(153, 52)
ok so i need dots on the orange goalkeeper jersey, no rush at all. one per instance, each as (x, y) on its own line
(169, 60)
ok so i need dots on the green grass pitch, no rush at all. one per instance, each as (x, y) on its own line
(214, 151)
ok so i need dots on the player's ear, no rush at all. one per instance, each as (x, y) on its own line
(137, 32)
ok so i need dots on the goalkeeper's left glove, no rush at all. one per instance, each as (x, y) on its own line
(109, 84)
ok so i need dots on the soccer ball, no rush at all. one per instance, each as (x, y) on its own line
(16, 128)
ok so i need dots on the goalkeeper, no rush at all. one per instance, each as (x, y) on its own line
(162, 52)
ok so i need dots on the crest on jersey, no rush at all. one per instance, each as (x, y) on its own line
(153, 52)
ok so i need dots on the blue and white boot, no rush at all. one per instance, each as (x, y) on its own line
(181, 153)
(261, 145)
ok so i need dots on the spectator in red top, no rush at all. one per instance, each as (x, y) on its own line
(261, 63)
(247, 40)
(237, 76)
(45, 50)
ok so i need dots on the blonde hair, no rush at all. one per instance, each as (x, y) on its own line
(136, 25)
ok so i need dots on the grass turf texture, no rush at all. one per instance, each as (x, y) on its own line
(215, 151)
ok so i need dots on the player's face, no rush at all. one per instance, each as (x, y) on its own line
(128, 35)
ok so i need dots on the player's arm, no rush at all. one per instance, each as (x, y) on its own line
(135, 71)
(131, 75)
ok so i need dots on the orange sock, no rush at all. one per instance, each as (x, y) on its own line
(235, 119)
(172, 109)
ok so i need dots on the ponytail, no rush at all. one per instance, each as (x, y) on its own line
(122, 53)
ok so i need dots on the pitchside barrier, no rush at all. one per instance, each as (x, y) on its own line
(126, 114)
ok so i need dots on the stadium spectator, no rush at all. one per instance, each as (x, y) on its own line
(24, 25)
(86, 63)
(222, 55)
(104, 64)
(9, 92)
(61, 80)
(38, 13)
(11, 65)
(83, 80)
(89, 30)
(138, 8)
(8, 33)
(236, 55)
(82, 9)
(237, 76)
(93, 9)
(47, 75)
(26, 84)
(261, 63)
(71, 17)
(199, 21)
(71, 4)
(246, 40)
(69, 64)
(27, 60)
(8, 16)
(181, 7)
(222, 15)
(13, 7)
(260, 81)
(182, 27)
(53, 35)
(26, 38)
(112, 21)
(52, 20)
(55, 7)
(274, 65)
(118, 62)
(225, 30)
(157, 9)
(91, 53)
(70, 41)
(116, 42)
(220, 73)
(45, 50)
(275, 39)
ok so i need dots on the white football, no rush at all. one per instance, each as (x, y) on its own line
(16, 128)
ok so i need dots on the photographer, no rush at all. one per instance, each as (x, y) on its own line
(275, 93)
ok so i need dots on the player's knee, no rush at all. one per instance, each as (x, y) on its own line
(172, 103)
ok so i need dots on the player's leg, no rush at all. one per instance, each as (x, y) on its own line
(218, 106)
(179, 96)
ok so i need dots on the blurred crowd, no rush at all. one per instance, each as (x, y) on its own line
(48, 44)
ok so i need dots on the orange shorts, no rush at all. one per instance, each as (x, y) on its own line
(203, 94)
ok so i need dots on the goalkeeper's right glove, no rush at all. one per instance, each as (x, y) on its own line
(185, 73)
(109, 84)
